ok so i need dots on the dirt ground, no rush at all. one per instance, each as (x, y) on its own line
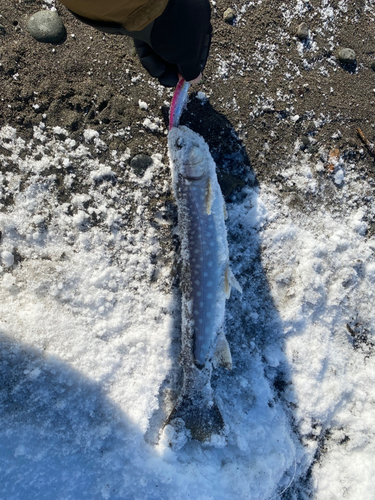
(266, 89)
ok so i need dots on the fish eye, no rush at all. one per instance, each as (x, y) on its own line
(180, 143)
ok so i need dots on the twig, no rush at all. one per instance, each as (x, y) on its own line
(366, 142)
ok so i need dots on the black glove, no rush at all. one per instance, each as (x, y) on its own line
(179, 42)
(157, 67)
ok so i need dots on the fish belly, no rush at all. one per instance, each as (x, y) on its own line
(201, 270)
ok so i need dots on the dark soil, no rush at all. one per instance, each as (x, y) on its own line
(93, 80)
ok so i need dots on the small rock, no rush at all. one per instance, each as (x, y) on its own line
(347, 56)
(373, 66)
(2, 30)
(229, 16)
(46, 26)
(305, 143)
(140, 164)
(303, 31)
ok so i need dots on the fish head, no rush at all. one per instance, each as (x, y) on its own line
(189, 153)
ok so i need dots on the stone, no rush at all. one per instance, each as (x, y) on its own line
(46, 26)
(305, 143)
(347, 56)
(229, 16)
(373, 66)
(140, 163)
(2, 30)
(302, 31)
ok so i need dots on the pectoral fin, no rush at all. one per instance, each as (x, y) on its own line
(222, 356)
(229, 281)
(209, 197)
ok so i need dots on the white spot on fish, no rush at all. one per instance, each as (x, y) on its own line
(205, 274)
(197, 282)
(199, 294)
(209, 283)
(212, 243)
(201, 304)
(209, 295)
(208, 315)
(210, 263)
(200, 321)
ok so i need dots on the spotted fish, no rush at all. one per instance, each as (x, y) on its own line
(206, 281)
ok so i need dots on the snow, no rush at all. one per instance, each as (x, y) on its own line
(90, 335)
(7, 258)
(143, 104)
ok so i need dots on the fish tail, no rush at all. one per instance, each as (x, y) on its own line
(201, 417)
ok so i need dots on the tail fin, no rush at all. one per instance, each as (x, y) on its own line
(202, 418)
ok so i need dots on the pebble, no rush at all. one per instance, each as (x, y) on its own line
(229, 16)
(305, 143)
(347, 56)
(140, 163)
(303, 31)
(46, 26)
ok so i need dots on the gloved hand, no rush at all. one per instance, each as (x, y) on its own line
(178, 43)
(157, 67)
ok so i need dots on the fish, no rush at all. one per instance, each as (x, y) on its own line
(178, 103)
(206, 280)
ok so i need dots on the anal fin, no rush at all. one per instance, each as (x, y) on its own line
(222, 356)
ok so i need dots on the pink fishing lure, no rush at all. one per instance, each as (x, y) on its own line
(178, 103)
